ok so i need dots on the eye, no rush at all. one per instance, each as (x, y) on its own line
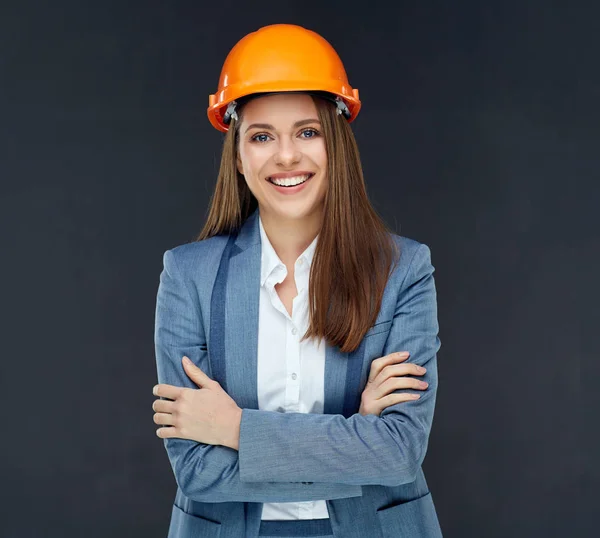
(256, 136)
(314, 131)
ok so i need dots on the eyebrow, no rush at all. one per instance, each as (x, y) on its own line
(269, 126)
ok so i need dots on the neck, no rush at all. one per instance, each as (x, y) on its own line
(291, 237)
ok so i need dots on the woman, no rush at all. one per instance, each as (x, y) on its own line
(295, 415)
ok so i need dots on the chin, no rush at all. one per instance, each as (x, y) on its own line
(297, 213)
(290, 210)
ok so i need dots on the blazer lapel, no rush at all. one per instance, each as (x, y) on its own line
(234, 315)
(234, 330)
(342, 379)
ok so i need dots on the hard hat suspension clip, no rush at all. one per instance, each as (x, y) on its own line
(230, 113)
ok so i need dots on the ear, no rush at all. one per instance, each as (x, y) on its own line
(238, 162)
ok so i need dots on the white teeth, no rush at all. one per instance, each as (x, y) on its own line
(290, 181)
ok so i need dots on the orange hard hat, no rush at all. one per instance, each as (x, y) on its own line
(281, 58)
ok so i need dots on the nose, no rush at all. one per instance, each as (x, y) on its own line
(287, 153)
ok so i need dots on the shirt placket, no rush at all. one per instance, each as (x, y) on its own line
(299, 316)
(292, 344)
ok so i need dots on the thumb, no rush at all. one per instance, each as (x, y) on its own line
(195, 373)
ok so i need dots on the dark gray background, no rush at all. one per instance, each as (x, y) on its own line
(479, 137)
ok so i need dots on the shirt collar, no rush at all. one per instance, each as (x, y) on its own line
(270, 260)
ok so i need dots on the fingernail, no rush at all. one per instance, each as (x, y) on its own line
(403, 355)
(186, 360)
(421, 369)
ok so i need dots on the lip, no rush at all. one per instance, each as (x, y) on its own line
(290, 174)
(292, 190)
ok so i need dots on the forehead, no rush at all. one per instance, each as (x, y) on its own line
(279, 109)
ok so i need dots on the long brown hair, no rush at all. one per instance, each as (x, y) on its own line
(354, 253)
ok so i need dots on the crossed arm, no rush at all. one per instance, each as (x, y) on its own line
(279, 452)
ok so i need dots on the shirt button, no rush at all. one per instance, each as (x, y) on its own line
(294, 331)
(294, 376)
(300, 261)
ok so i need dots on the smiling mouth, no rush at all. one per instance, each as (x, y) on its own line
(290, 182)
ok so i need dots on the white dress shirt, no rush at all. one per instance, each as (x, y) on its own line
(290, 373)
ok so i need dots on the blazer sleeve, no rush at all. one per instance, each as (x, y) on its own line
(210, 473)
(363, 450)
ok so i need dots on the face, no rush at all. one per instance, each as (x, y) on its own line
(287, 144)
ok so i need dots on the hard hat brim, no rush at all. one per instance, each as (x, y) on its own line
(218, 102)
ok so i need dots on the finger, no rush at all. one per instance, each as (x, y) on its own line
(163, 406)
(379, 364)
(167, 432)
(195, 373)
(396, 370)
(391, 384)
(167, 391)
(393, 399)
(166, 419)
(399, 383)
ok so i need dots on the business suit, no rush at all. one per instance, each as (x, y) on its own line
(368, 468)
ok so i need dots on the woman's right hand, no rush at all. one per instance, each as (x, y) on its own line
(386, 376)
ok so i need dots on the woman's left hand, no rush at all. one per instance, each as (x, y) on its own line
(207, 415)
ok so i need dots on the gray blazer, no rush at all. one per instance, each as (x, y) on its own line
(367, 468)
